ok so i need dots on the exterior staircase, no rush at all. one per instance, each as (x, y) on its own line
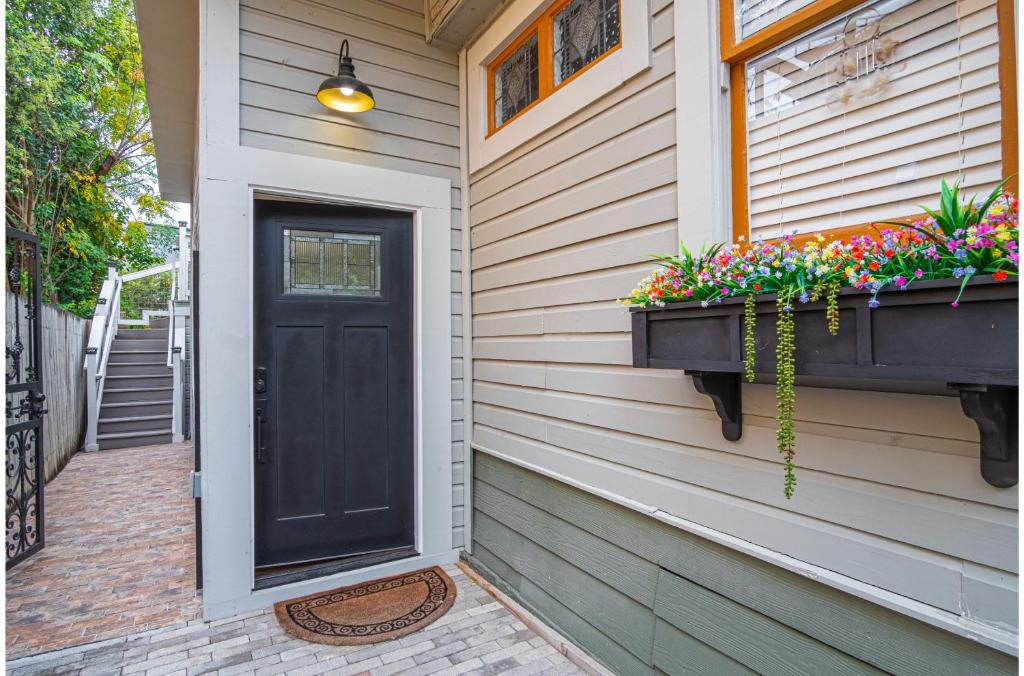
(138, 392)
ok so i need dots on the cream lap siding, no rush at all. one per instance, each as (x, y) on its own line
(289, 46)
(889, 493)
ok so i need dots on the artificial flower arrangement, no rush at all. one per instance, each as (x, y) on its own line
(959, 241)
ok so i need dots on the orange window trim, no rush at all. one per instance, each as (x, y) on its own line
(544, 27)
(817, 13)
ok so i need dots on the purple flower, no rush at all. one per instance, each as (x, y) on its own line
(804, 297)
(873, 303)
(787, 308)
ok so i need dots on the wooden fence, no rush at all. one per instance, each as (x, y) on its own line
(63, 382)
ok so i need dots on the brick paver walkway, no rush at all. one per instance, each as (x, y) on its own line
(119, 555)
(477, 636)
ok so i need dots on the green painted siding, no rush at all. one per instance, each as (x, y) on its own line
(643, 597)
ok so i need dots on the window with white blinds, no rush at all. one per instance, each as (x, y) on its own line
(857, 121)
(754, 15)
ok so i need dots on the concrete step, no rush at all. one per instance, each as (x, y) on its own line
(142, 334)
(135, 394)
(159, 323)
(135, 408)
(131, 439)
(140, 423)
(142, 368)
(123, 382)
(138, 344)
(135, 356)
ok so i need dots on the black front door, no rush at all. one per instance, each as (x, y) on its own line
(333, 382)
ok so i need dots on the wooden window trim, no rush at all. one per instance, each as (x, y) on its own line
(543, 26)
(736, 54)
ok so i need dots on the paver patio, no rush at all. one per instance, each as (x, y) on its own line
(119, 555)
(113, 592)
(477, 636)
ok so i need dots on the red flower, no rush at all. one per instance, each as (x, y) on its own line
(757, 287)
(999, 275)
(873, 265)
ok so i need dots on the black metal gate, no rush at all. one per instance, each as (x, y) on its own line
(24, 398)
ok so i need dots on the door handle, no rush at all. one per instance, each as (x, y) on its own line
(259, 435)
(260, 380)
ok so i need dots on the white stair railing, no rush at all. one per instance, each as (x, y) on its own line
(97, 353)
(178, 312)
(106, 319)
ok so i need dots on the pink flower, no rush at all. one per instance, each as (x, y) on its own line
(725, 291)
(919, 273)
(955, 303)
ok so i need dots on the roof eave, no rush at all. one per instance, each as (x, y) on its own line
(169, 35)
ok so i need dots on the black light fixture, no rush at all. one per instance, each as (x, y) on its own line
(345, 92)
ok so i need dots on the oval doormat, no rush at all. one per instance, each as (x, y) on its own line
(371, 612)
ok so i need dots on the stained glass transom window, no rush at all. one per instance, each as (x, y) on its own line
(582, 31)
(323, 263)
(516, 82)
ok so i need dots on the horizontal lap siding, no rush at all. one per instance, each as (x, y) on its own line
(889, 491)
(289, 46)
(644, 597)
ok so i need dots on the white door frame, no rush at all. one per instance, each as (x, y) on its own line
(228, 176)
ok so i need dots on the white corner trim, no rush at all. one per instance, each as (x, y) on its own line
(466, 256)
(633, 57)
(701, 123)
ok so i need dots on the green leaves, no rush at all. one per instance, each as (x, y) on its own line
(79, 160)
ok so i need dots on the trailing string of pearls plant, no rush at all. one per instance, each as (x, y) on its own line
(960, 240)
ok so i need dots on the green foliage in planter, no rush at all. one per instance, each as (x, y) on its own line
(959, 240)
(785, 396)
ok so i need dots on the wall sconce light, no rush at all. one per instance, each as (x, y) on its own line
(345, 92)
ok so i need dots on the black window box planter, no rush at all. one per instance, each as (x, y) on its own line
(913, 338)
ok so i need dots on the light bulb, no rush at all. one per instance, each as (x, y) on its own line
(347, 91)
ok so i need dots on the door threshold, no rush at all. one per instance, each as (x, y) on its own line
(311, 571)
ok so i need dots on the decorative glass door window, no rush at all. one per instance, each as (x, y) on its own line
(323, 263)
(583, 31)
(569, 37)
(516, 84)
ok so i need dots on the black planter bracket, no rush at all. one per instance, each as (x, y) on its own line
(992, 407)
(994, 410)
(725, 393)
